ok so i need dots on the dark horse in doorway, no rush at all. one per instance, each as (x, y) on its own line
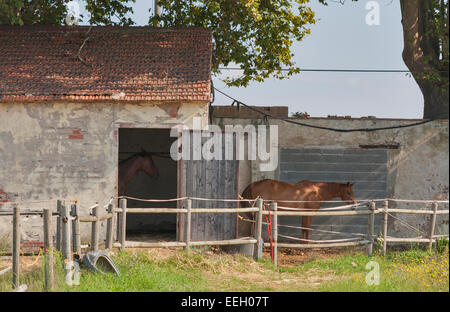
(302, 191)
(128, 168)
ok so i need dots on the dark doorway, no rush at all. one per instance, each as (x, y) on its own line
(148, 227)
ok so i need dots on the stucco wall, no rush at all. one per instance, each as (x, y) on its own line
(70, 150)
(417, 169)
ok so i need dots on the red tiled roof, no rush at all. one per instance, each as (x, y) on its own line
(114, 63)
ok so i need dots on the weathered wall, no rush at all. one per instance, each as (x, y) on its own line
(417, 169)
(70, 150)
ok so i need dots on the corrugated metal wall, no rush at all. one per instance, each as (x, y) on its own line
(366, 168)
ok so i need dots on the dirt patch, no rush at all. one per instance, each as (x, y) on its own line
(288, 257)
(256, 277)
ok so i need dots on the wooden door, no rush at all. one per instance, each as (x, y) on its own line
(213, 179)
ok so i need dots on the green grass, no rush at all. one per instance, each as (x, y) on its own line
(414, 270)
(411, 270)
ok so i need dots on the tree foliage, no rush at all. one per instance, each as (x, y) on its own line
(257, 35)
(54, 12)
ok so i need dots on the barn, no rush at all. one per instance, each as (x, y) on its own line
(76, 101)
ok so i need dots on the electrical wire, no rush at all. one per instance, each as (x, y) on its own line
(237, 102)
(335, 70)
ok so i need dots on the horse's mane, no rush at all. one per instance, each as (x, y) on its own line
(316, 182)
(143, 153)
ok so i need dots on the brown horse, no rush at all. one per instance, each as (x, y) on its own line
(142, 161)
(302, 191)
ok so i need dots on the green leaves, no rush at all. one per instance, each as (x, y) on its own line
(255, 34)
(53, 12)
(109, 12)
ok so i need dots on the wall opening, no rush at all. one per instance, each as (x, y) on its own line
(148, 227)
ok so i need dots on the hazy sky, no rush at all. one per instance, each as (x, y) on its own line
(340, 39)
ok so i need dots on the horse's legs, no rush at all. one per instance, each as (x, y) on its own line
(308, 225)
(305, 226)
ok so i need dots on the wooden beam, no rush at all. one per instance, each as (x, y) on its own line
(370, 228)
(322, 213)
(123, 223)
(109, 227)
(76, 230)
(257, 251)
(48, 250)
(16, 248)
(188, 205)
(432, 226)
(273, 208)
(324, 245)
(65, 233)
(95, 228)
(385, 225)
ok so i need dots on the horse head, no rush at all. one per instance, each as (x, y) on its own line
(347, 194)
(147, 164)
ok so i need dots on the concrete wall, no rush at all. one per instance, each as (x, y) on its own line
(417, 169)
(70, 150)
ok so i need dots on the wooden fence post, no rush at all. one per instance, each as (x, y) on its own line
(16, 248)
(370, 228)
(257, 251)
(188, 206)
(48, 250)
(274, 208)
(432, 225)
(76, 230)
(109, 227)
(385, 225)
(123, 223)
(95, 227)
(58, 225)
(65, 233)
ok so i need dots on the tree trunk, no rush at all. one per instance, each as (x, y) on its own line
(435, 102)
(422, 55)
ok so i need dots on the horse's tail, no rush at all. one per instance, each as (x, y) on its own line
(246, 194)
